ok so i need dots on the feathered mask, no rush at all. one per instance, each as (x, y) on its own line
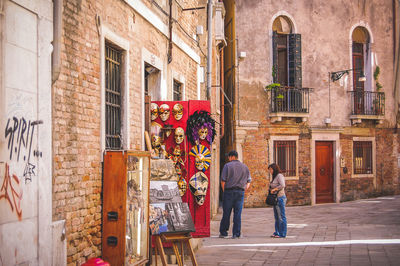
(200, 125)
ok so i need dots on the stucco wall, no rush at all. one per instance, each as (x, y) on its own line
(25, 145)
(326, 36)
(325, 28)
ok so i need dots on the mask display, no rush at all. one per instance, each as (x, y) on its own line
(154, 111)
(198, 185)
(177, 111)
(179, 135)
(164, 112)
(202, 157)
(203, 132)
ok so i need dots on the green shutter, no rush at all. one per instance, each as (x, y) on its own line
(294, 63)
(274, 56)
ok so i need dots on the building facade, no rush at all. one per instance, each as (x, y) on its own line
(313, 85)
(116, 56)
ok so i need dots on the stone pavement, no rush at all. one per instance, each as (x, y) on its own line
(363, 232)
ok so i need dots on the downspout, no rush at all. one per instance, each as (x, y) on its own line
(209, 46)
(57, 30)
(221, 93)
(396, 33)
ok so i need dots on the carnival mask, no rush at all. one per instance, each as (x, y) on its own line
(203, 132)
(198, 185)
(154, 111)
(202, 157)
(155, 141)
(179, 135)
(182, 186)
(177, 111)
(164, 112)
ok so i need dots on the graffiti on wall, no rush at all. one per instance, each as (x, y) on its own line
(19, 135)
(11, 192)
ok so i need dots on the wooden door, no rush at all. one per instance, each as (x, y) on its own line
(324, 171)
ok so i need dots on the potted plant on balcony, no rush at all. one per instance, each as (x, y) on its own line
(276, 93)
(378, 103)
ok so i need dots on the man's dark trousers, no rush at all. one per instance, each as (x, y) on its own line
(232, 199)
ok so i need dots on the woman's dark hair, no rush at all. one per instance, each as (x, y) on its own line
(275, 168)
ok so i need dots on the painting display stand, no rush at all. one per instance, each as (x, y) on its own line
(175, 239)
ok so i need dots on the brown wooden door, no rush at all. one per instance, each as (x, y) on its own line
(324, 171)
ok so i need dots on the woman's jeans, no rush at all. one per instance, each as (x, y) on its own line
(280, 217)
(232, 199)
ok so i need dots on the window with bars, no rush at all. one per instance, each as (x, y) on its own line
(362, 157)
(113, 99)
(285, 156)
(177, 91)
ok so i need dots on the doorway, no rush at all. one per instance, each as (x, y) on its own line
(324, 171)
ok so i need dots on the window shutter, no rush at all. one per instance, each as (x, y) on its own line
(274, 56)
(295, 79)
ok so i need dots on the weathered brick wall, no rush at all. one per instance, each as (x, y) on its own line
(386, 167)
(255, 151)
(77, 182)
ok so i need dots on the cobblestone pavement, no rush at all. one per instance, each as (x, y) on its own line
(363, 232)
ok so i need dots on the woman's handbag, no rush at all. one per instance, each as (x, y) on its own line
(272, 199)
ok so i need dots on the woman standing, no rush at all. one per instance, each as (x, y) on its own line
(278, 186)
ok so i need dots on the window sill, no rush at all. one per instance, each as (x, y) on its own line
(291, 177)
(357, 119)
(277, 117)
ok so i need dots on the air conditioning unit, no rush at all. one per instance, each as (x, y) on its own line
(219, 21)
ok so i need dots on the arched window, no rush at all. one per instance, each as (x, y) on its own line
(286, 47)
(361, 59)
(362, 71)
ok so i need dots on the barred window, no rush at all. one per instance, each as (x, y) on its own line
(362, 157)
(177, 91)
(113, 97)
(285, 156)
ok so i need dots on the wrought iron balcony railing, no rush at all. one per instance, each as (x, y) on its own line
(289, 100)
(367, 103)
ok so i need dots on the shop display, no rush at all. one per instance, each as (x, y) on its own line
(187, 134)
(126, 207)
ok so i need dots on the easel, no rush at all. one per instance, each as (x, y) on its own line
(174, 238)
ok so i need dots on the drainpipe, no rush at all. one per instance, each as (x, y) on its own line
(57, 29)
(209, 46)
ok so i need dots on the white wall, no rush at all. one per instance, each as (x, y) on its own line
(25, 144)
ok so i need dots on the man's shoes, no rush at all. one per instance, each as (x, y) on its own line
(236, 237)
(223, 236)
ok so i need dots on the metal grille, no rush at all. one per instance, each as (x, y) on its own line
(177, 91)
(362, 157)
(113, 98)
(285, 156)
(291, 100)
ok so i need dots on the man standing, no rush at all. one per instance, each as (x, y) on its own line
(235, 179)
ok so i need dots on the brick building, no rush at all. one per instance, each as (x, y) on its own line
(313, 85)
(68, 68)
(117, 56)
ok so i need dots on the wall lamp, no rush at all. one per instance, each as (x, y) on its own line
(339, 74)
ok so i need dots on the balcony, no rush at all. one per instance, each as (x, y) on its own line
(367, 105)
(289, 102)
